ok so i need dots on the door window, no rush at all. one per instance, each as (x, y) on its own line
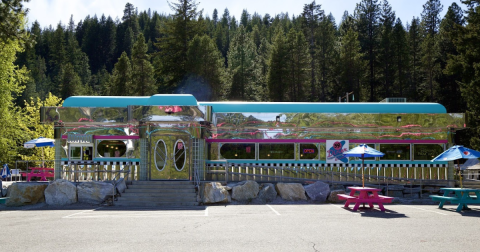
(160, 155)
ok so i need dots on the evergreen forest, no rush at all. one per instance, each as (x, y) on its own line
(367, 56)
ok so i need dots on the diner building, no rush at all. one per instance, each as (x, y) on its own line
(176, 137)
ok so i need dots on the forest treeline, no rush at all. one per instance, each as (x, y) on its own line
(312, 57)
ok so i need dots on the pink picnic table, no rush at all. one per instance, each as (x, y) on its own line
(366, 195)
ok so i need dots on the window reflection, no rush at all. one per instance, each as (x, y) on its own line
(111, 148)
(426, 151)
(395, 151)
(237, 151)
(308, 151)
(276, 151)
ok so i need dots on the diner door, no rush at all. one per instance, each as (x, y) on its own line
(169, 157)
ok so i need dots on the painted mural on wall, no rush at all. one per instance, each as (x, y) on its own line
(335, 150)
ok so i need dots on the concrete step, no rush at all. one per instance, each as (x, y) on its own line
(159, 190)
(160, 186)
(154, 204)
(161, 182)
(157, 199)
(158, 193)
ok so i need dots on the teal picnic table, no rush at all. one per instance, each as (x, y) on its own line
(461, 196)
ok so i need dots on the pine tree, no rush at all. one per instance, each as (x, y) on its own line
(312, 15)
(467, 65)
(241, 68)
(143, 82)
(174, 46)
(414, 42)
(68, 81)
(431, 68)
(277, 77)
(205, 67)
(367, 16)
(400, 59)
(121, 77)
(351, 67)
(449, 27)
(326, 54)
(386, 53)
(298, 61)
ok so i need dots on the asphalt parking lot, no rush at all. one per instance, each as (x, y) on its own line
(296, 227)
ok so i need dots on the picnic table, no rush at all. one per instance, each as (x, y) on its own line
(461, 196)
(40, 172)
(365, 195)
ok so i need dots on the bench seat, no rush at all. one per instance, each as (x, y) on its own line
(443, 198)
(386, 199)
(345, 196)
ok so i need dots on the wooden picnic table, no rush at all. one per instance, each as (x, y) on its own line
(461, 196)
(40, 172)
(366, 195)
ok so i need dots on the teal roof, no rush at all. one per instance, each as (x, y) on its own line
(124, 101)
(324, 107)
(253, 107)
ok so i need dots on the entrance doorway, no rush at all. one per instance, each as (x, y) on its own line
(170, 157)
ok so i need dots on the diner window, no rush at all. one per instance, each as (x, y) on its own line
(276, 151)
(79, 152)
(353, 145)
(308, 151)
(426, 151)
(395, 151)
(323, 151)
(111, 148)
(237, 151)
(212, 151)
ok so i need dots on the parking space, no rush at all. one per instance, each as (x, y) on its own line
(295, 227)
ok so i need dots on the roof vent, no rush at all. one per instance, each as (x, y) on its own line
(394, 100)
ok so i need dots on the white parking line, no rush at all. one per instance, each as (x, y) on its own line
(275, 211)
(69, 216)
(425, 210)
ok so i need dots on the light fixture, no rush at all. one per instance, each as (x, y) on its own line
(277, 119)
(398, 155)
(107, 145)
(235, 154)
(399, 118)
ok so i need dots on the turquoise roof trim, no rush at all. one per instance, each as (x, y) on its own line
(324, 107)
(124, 101)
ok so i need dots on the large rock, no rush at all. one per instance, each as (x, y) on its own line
(120, 186)
(94, 192)
(21, 194)
(333, 195)
(266, 194)
(61, 192)
(214, 192)
(247, 191)
(291, 191)
(318, 191)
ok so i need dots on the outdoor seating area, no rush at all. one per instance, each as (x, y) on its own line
(365, 195)
(461, 196)
(41, 173)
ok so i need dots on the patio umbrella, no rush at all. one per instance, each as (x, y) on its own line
(363, 151)
(457, 152)
(40, 142)
(6, 172)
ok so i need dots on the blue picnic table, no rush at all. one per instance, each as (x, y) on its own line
(461, 196)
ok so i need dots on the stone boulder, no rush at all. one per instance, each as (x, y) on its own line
(291, 191)
(94, 192)
(120, 186)
(214, 192)
(21, 194)
(61, 192)
(266, 194)
(247, 191)
(318, 191)
(333, 195)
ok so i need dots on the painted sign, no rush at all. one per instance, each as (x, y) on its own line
(335, 150)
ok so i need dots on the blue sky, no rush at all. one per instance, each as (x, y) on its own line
(50, 12)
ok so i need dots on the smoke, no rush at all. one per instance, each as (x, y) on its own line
(196, 86)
